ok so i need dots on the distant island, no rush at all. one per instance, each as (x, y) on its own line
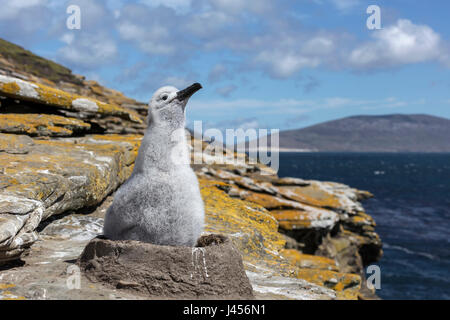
(384, 133)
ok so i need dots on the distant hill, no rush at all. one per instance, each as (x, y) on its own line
(386, 133)
(14, 57)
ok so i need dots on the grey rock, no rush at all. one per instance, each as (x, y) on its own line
(15, 144)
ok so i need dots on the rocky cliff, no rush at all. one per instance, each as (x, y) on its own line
(66, 144)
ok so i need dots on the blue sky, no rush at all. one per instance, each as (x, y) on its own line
(263, 64)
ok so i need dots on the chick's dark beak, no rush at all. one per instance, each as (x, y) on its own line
(188, 92)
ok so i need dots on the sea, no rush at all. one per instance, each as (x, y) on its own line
(411, 207)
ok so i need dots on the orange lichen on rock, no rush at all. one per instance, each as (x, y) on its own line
(309, 261)
(309, 217)
(361, 219)
(11, 87)
(254, 233)
(55, 97)
(292, 219)
(35, 92)
(268, 201)
(4, 286)
(41, 124)
(133, 139)
(251, 228)
(346, 285)
(311, 194)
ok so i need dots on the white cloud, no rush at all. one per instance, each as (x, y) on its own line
(151, 39)
(89, 51)
(67, 38)
(19, 20)
(284, 64)
(238, 6)
(177, 82)
(319, 45)
(280, 47)
(236, 36)
(287, 54)
(94, 44)
(402, 43)
(11, 9)
(154, 31)
(94, 15)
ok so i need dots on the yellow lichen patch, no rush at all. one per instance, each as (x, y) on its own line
(41, 124)
(361, 219)
(309, 217)
(251, 228)
(311, 194)
(292, 219)
(309, 261)
(14, 298)
(99, 173)
(119, 111)
(55, 97)
(8, 295)
(266, 200)
(46, 95)
(254, 233)
(73, 175)
(11, 87)
(4, 286)
(346, 285)
(362, 194)
(30, 179)
(133, 140)
(59, 131)
(95, 87)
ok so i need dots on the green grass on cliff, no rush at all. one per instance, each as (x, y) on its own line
(27, 61)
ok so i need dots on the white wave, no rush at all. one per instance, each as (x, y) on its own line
(408, 251)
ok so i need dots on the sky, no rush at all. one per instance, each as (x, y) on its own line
(277, 64)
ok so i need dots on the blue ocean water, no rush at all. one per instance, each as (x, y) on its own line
(411, 208)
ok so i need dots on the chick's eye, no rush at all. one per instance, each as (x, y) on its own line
(164, 97)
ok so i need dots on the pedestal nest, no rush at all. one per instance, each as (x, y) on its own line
(211, 270)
